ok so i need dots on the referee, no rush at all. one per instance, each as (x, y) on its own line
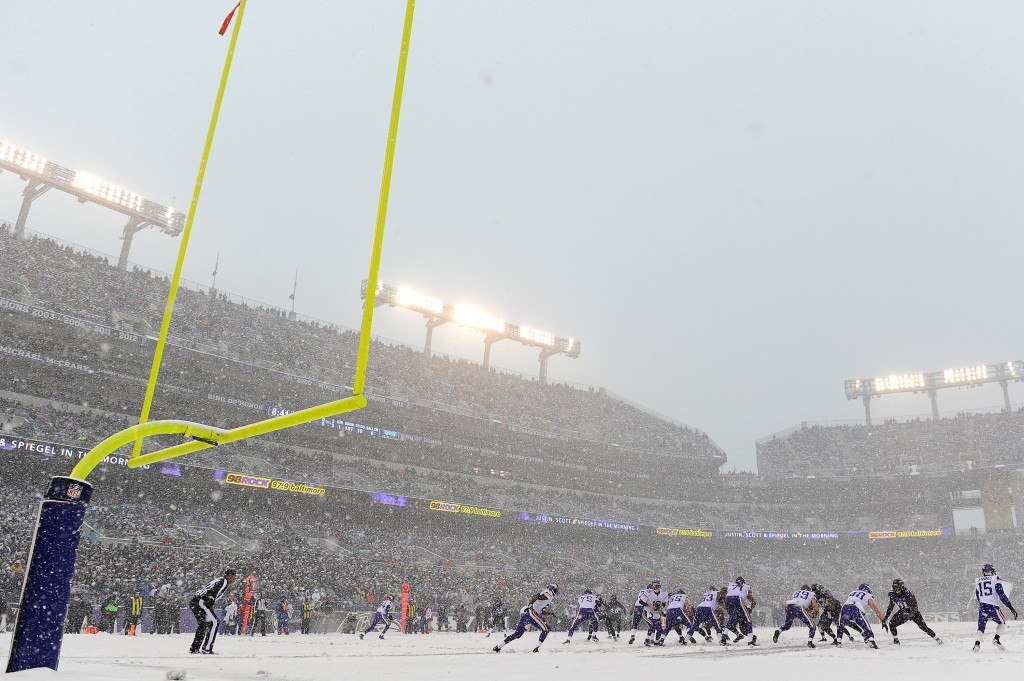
(207, 621)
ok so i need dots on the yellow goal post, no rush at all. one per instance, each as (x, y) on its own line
(46, 590)
(202, 437)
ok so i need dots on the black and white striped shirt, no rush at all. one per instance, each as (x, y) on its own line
(214, 590)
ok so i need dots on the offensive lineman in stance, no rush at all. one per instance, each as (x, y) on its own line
(857, 604)
(706, 616)
(532, 616)
(207, 621)
(803, 606)
(736, 599)
(678, 614)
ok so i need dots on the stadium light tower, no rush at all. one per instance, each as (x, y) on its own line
(43, 175)
(494, 329)
(930, 383)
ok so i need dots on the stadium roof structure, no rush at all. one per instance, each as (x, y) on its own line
(494, 328)
(930, 382)
(43, 175)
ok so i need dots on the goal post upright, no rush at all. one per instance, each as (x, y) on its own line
(172, 291)
(363, 353)
(39, 628)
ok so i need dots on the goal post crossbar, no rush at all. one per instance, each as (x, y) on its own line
(137, 433)
(202, 436)
(223, 437)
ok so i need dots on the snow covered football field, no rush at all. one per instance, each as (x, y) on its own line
(467, 657)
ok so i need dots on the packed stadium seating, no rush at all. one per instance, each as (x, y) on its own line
(349, 550)
(378, 465)
(964, 442)
(73, 281)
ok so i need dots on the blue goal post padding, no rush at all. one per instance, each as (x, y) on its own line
(39, 630)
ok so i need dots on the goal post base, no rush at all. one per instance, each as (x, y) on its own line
(39, 629)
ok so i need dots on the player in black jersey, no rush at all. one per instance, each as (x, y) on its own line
(904, 602)
(207, 621)
(830, 610)
(498, 614)
(614, 613)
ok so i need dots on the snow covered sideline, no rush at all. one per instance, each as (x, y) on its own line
(467, 657)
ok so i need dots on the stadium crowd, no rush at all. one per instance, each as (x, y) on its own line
(963, 442)
(373, 464)
(146, 535)
(74, 281)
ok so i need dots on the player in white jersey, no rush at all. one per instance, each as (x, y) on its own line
(532, 617)
(739, 599)
(653, 612)
(641, 608)
(707, 616)
(856, 606)
(586, 611)
(382, 616)
(989, 592)
(803, 606)
(678, 613)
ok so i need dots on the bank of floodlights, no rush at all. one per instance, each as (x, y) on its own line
(947, 378)
(87, 187)
(474, 318)
(929, 382)
(438, 312)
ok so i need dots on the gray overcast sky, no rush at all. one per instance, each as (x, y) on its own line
(735, 205)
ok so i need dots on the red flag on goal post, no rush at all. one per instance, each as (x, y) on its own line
(227, 19)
